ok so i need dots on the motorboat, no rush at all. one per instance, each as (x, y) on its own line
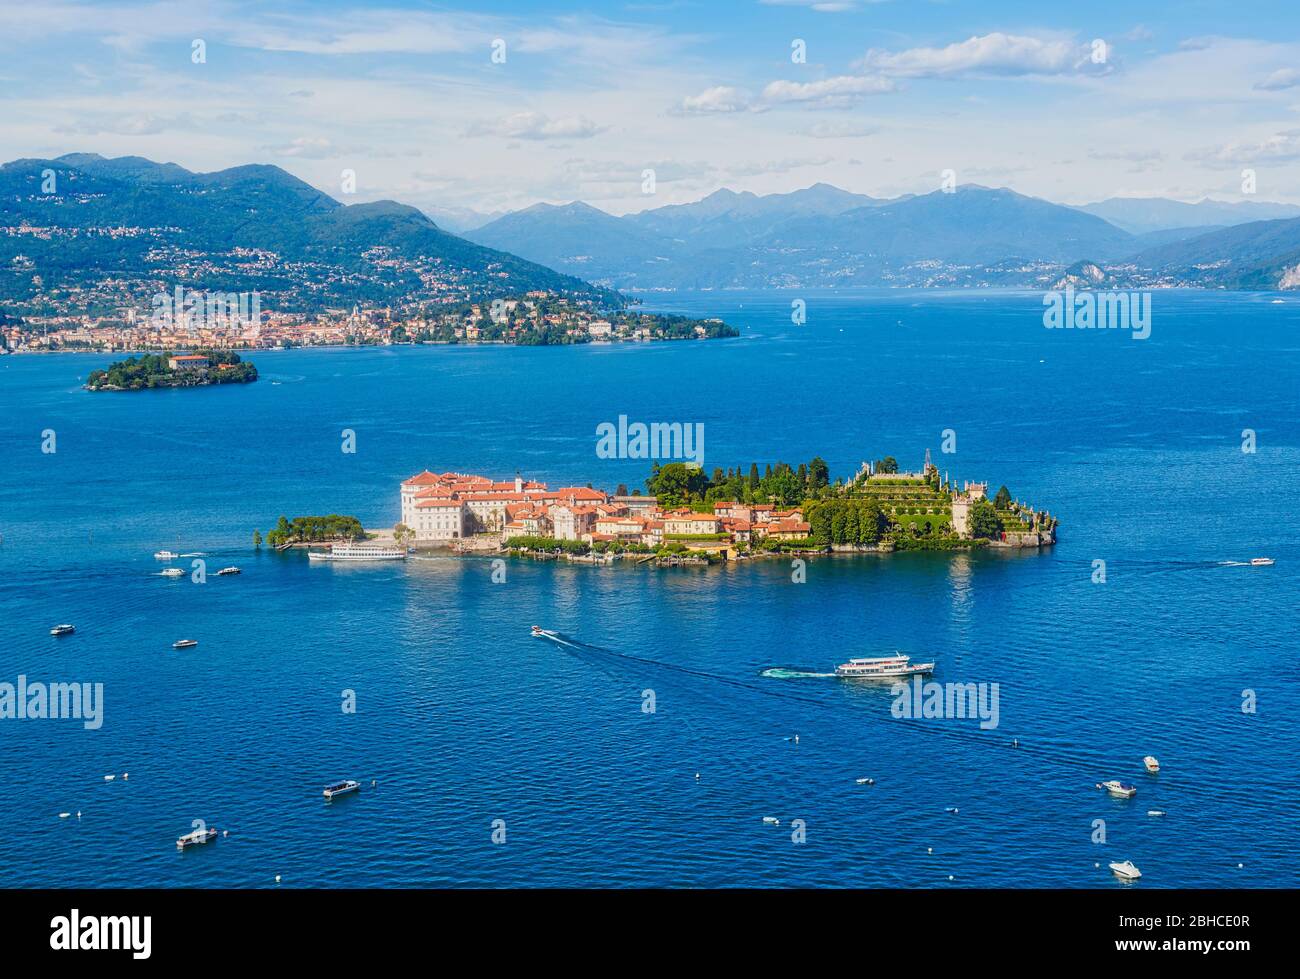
(172, 572)
(63, 630)
(198, 836)
(184, 643)
(1261, 562)
(1127, 870)
(1117, 788)
(166, 555)
(540, 633)
(341, 788)
(230, 570)
(1152, 764)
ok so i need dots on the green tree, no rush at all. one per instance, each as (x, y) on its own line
(1002, 500)
(984, 521)
(403, 535)
(257, 538)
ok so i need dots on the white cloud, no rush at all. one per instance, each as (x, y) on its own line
(720, 98)
(1280, 79)
(1283, 147)
(838, 91)
(991, 54)
(535, 125)
(840, 130)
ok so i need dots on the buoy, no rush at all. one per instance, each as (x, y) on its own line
(277, 878)
(929, 849)
(125, 776)
(950, 877)
(373, 783)
(78, 813)
(1015, 742)
(1240, 865)
(225, 833)
(796, 739)
(697, 776)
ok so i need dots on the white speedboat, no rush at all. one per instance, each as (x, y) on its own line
(230, 570)
(1127, 870)
(184, 643)
(341, 788)
(1261, 562)
(198, 836)
(359, 551)
(166, 555)
(172, 572)
(63, 630)
(1152, 764)
(870, 667)
(540, 633)
(1117, 788)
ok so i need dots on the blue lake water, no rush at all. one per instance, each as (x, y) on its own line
(463, 719)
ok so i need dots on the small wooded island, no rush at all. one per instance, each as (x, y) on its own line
(168, 370)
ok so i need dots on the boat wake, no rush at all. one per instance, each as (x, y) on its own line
(782, 673)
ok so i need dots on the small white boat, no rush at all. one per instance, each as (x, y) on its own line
(1152, 764)
(1155, 812)
(866, 781)
(64, 815)
(1117, 788)
(230, 570)
(172, 572)
(109, 778)
(1126, 870)
(166, 555)
(771, 821)
(540, 633)
(198, 836)
(1261, 562)
(63, 630)
(952, 809)
(184, 643)
(341, 788)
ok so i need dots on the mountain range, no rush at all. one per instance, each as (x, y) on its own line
(82, 233)
(825, 237)
(89, 232)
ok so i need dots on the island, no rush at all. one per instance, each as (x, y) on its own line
(168, 370)
(691, 517)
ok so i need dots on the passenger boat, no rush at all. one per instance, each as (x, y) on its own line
(359, 551)
(198, 836)
(341, 788)
(184, 643)
(867, 667)
(166, 555)
(63, 630)
(1261, 562)
(230, 570)
(1152, 764)
(1127, 870)
(172, 572)
(1117, 788)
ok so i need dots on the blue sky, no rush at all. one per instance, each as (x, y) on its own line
(1071, 102)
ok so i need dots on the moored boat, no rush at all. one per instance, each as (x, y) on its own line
(198, 836)
(1119, 789)
(341, 788)
(1152, 764)
(63, 630)
(359, 551)
(1126, 869)
(869, 667)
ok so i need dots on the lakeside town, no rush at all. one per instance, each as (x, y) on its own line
(230, 321)
(689, 517)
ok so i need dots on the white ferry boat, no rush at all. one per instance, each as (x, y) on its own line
(359, 551)
(63, 630)
(869, 667)
(341, 788)
(198, 836)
